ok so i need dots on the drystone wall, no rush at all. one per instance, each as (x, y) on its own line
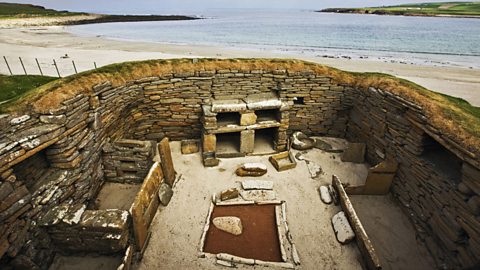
(53, 158)
(437, 181)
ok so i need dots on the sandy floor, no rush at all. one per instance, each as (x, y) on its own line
(176, 229)
(82, 263)
(116, 196)
(48, 43)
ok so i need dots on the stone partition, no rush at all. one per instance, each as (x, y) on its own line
(64, 144)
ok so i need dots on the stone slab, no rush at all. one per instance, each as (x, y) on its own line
(342, 228)
(167, 162)
(325, 195)
(256, 184)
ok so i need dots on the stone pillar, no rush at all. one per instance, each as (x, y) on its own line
(248, 118)
(247, 141)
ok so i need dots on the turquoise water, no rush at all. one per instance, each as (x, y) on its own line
(418, 40)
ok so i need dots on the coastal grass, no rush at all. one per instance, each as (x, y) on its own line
(452, 116)
(14, 87)
(422, 9)
(12, 10)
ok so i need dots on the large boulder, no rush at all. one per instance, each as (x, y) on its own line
(232, 225)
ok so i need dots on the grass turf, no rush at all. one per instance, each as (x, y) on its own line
(11, 10)
(13, 87)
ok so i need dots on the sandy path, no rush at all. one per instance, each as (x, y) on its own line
(47, 43)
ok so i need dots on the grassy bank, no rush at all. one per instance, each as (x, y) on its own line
(457, 9)
(14, 87)
(11, 10)
(452, 116)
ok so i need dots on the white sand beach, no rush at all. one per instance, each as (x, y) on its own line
(54, 42)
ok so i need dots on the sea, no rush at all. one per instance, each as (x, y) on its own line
(431, 41)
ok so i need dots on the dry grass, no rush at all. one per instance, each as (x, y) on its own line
(453, 119)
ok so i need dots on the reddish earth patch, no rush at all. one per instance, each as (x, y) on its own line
(259, 239)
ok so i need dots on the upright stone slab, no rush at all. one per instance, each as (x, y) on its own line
(247, 141)
(167, 162)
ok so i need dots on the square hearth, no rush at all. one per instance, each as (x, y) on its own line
(259, 239)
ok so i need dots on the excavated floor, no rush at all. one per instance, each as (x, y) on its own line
(176, 229)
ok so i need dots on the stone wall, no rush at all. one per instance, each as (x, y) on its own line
(72, 228)
(435, 179)
(127, 161)
(65, 146)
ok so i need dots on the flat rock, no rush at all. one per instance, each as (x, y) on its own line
(258, 195)
(256, 184)
(229, 194)
(229, 224)
(325, 195)
(301, 141)
(355, 153)
(165, 194)
(322, 145)
(342, 228)
(252, 169)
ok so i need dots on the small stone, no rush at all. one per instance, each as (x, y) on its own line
(189, 147)
(314, 169)
(256, 184)
(355, 153)
(252, 169)
(325, 195)
(301, 141)
(232, 225)
(165, 194)
(229, 194)
(258, 195)
(342, 228)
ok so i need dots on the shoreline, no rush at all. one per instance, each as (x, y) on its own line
(87, 19)
(382, 13)
(55, 42)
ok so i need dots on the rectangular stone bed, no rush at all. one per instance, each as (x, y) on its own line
(116, 196)
(259, 239)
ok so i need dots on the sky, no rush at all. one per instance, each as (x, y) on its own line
(162, 6)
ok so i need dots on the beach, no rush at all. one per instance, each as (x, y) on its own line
(55, 42)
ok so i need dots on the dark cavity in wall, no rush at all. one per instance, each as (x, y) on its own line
(228, 142)
(442, 159)
(228, 118)
(265, 140)
(34, 171)
(268, 115)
